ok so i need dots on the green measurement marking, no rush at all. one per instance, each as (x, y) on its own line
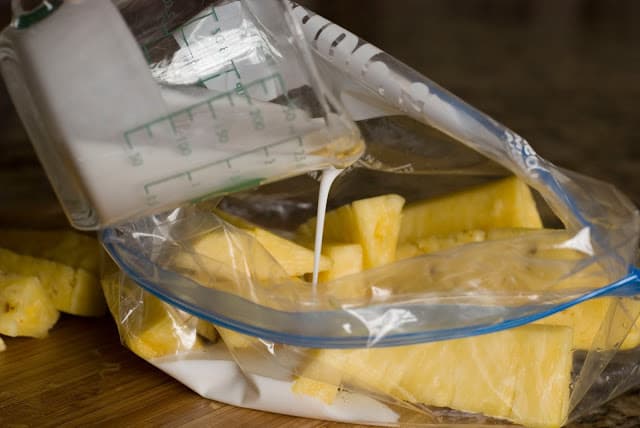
(127, 141)
(227, 161)
(36, 15)
(147, 127)
(145, 52)
(211, 110)
(244, 185)
(264, 87)
(232, 69)
(214, 14)
(186, 42)
(280, 80)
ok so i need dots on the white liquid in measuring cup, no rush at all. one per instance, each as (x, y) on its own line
(326, 180)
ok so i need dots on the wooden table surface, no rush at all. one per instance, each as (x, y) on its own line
(81, 375)
(562, 74)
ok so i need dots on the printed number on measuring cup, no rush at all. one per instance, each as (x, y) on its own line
(258, 120)
(184, 149)
(290, 114)
(223, 135)
(136, 159)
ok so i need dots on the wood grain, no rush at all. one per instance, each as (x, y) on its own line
(81, 375)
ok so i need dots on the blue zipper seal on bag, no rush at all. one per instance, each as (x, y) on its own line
(311, 329)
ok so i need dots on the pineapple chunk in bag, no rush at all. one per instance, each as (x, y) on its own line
(295, 259)
(25, 307)
(74, 291)
(373, 223)
(586, 319)
(345, 259)
(506, 203)
(147, 325)
(432, 244)
(589, 317)
(158, 332)
(522, 375)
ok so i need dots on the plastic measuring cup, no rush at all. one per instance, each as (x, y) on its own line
(131, 112)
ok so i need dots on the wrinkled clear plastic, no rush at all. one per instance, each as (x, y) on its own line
(136, 110)
(534, 328)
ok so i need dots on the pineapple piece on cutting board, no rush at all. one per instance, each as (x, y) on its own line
(25, 307)
(372, 223)
(3, 347)
(74, 291)
(506, 203)
(522, 375)
(63, 246)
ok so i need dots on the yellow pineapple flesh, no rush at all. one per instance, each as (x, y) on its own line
(63, 246)
(323, 391)
(156, 332)
(73, 291)
(3, 347)
(522, 375)
(505, 203)
(295, 259)
(25, 307)
(339, 226)
(346, 259)
(226, 254)
(235, 340)
(586, 318)
(378, 224)
(435, 243)
(207, 330)
(373, 223)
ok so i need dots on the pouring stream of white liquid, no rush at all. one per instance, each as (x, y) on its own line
(326, 180)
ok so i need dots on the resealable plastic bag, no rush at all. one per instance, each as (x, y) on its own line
(534, 328)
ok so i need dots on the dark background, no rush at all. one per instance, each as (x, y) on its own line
(563, 74)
